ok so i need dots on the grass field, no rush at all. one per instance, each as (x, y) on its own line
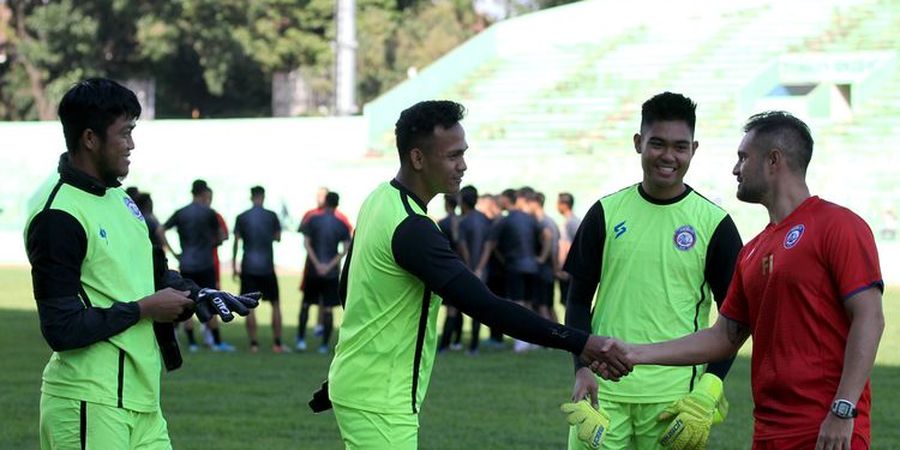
(496, 400)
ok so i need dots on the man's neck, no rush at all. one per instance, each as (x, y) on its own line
(415, 184)
(786, 199)
(81, 162)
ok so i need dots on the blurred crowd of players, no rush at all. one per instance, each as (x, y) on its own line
(508, 240)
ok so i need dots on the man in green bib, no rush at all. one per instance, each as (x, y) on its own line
(660, 253)
(399, 269)
(105, 298)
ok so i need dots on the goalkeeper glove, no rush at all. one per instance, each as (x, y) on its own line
(591, 424)
(694, 415)
(211, 302)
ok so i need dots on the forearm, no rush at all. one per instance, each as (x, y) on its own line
(66, 324)
(469, 295)
(859, 356)
(716, 343)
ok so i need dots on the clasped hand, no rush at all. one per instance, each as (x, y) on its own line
(607, 357)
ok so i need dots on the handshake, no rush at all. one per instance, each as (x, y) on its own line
(607, 357)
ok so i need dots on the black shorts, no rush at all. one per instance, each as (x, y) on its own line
(321, 290)
(267, 284)
(203, 278)
(520, 287)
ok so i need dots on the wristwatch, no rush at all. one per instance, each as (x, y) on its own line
(843, 409)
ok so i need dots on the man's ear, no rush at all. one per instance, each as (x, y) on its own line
(694, 146)
(417, 158)
(90, 140)
(637, 142)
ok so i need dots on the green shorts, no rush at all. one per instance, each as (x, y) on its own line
(632, 426)
(73, 424)
(364, 430)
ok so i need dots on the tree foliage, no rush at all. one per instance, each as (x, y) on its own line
(215, 58)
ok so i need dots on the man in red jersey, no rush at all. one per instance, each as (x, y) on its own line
(808, 288)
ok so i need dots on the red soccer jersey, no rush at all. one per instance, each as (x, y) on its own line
(789, 287)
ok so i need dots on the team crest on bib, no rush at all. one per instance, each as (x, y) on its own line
(135, 211)
(793, 236)
(685, 238)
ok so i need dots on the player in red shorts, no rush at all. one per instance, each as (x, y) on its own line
(808, 289)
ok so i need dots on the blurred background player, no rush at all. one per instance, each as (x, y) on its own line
(474, 228)
(659, 252)
(452, 335)
(548, 259)
(259, 228)
(327, 240)
(199, 233)
(564, 204)
(304, 307)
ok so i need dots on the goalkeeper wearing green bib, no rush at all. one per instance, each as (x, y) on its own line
(398, 271)
(105, 299)
(660, 254)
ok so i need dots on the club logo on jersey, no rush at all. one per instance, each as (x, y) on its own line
(135, 211)
(620, 229)
(793, 236)
(685, 238)
(104, 235)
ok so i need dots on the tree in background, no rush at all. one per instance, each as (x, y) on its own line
(215, 58)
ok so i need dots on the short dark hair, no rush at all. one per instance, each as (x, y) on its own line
(783, 130)
(540, 198)
(199, 186)
(95, 104)
(567, 199)
(468, 195)
(526, 192)
(451, 200)
(669, 106)
(416, 124)
(510, 194)
(132, 192)
(257, 191)
(144, 202)
(332, 199)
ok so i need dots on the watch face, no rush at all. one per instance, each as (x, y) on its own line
(843, 409)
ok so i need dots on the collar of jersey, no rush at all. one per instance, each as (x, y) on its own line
(670, 201)
(70, 175)
(396, 184)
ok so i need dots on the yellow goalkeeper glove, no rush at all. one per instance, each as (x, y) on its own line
(694, 415)
(590, 423)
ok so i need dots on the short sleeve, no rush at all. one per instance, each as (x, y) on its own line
(420, 248)
(852, 255)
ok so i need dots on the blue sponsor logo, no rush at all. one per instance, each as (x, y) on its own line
(620, 229)
(103, 235)
(135, 211)
(793, 236)
(685, 238)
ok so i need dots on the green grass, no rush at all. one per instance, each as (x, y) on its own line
(496, 400)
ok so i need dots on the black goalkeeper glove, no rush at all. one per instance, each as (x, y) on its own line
(211, 302)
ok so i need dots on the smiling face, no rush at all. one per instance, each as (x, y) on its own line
(666, 148)
(443, 163)
(110, 154)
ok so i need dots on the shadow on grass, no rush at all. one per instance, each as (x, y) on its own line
(496, 400)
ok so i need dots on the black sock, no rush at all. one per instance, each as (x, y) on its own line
(254, 344)
(327, 327)
(190, 336)
(217, 338)
(301, 326)
(278, 342)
